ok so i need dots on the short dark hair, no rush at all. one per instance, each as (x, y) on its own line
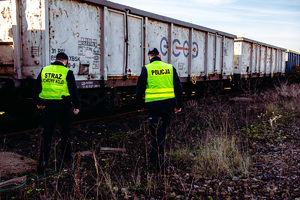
(153, 52)
(61, 56)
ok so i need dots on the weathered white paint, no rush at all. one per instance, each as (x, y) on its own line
(75, 29)
(157, 37)
(253, 58)
(6, 36)
(115, 43)
(135, 45)
(6, 21)
(180, 50)
(198, 54)
(228, 56)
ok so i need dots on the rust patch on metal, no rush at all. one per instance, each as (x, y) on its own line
(76, 34)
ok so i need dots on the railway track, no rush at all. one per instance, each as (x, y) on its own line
(25, 123)
(14, 127)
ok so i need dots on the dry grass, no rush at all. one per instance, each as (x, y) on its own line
(221, 155)
(215, 156)
(212, 133)
(209, 138)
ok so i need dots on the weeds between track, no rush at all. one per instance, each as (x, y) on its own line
(237, 148)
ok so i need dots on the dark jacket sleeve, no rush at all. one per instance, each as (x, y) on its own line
(37, 90)
(73, 89)
(140, 89)
(177, 89)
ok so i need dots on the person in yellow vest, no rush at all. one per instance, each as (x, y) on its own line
(160, 84)
(55, 93)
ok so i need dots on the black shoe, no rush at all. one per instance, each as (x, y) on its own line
(41, 168)
(68, 157)
(67, 161)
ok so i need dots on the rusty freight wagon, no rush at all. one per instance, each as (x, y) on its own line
(257, 63)
(256, 59)
(107, 45)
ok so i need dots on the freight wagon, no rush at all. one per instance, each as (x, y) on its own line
(292, 59)
(107, 45)
(256, 59)
(256, 63)
(293, 66)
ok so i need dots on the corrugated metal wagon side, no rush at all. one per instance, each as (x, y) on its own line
(292, 70)
(107, 44)
(256, 59)
(7, 24)
(23, 42)
(198, 53)
(292, 58)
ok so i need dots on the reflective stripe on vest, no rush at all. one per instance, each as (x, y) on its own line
(54, 82)
(160, 82)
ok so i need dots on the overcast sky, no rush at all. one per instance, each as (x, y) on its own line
(275, 22)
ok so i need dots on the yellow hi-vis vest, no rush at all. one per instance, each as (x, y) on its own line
(54, 82)
(160, 82)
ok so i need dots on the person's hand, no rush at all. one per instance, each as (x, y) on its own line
(75, 111)
(41, 107)
(177, 110)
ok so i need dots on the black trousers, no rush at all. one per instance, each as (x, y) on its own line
(158, 125)
(61, 112)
